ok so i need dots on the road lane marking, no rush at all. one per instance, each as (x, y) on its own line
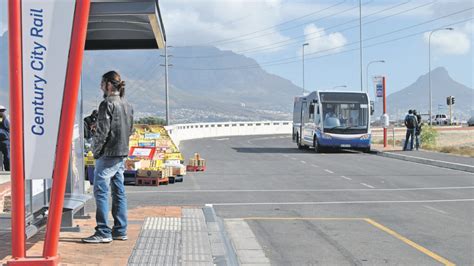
(293, 158)
(303, 162)
(369, 221)
(347, 178)
(286, 155)
(434, 209)
(313, 165)
(329, 171)
(222, 139)
(367, 185)
(410, 243)
(293, 190)
(337, 202)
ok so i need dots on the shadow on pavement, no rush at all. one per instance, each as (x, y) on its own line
(287, 150)
(269, 150)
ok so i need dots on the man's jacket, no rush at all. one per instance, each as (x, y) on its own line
(114, 127)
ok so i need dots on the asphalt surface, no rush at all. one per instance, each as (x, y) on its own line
(340, 208)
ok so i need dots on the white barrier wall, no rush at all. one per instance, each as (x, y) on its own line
(208, 130)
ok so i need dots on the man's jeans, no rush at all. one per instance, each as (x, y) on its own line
(109, 170)
(5, 149)
(410, 135)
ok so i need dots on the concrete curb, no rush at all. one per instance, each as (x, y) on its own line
(443, 164)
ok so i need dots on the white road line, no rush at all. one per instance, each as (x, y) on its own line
(434, 209)
(286, 155)
(313, 165)
(293, 158)
(367, 185)
(223, 139)
(338, 202)
(303, 162)
(296, 190)
(329, 171)
(347, 178)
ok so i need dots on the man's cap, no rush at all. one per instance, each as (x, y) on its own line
(2, 108)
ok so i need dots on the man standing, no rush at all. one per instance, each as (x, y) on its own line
(411, 124)
(418, 129)
(110, 148)
(5, 138)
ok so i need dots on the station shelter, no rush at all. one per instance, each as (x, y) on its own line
(47, 40)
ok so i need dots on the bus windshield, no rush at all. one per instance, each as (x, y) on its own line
(347, 116)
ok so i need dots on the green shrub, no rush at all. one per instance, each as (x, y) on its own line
(151, 120)
(428, 137)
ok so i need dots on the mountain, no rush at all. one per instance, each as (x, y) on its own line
(416, 96)
(200, 92)
(195, 96)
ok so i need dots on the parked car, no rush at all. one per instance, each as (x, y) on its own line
(470, 122)
(441, 119)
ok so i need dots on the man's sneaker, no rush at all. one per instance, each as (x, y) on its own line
(123, 238)
(95, 239)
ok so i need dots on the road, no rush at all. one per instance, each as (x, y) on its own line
(340, 208)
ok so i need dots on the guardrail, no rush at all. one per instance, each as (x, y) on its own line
(182, 132)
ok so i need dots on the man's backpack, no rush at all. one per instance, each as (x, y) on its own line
(411, 122)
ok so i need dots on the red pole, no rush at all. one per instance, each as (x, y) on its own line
(63, 149)
(384, 112)
(16, 136)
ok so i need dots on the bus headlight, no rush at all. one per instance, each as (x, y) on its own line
(365, 137)
(326, 136)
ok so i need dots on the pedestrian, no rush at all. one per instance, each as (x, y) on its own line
(411, 124)
(418, 129)
(5, 138)
(110, 148)
(90, 125)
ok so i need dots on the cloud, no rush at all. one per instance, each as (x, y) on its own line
(456, 42)
(321, 41)
(221, 23)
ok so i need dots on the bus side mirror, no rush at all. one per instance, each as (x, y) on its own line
(372, 107)
(315, 101)
(311, 109)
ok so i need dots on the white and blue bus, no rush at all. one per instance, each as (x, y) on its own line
(332, 120)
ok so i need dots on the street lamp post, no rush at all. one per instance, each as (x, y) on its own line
(305, 44)
(371, 62)
(429, 70)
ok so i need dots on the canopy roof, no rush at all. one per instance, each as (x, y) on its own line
(125, 24)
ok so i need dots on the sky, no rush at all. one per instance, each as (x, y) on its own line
(272, 32)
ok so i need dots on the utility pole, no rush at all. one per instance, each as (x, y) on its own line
(360, 45)
(166, 65)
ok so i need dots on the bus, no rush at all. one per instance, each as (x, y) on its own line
(332, 120)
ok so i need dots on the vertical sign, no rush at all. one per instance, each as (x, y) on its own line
(46, 37)
(378, 82)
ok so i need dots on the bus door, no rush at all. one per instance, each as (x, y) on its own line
(302, 119)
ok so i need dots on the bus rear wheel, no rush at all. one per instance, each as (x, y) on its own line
(298, 142)
(316, 146)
